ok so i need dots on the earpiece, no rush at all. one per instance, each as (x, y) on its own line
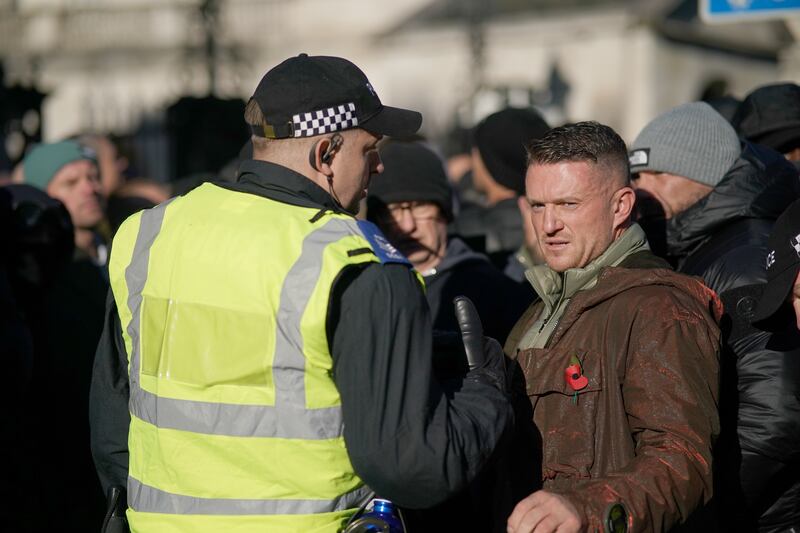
(336, 141)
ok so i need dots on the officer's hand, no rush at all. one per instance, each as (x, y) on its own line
(493, 368)
(544, 512)
(485, 357)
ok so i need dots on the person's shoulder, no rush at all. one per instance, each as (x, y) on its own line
(653, 291)
(645, 259)
(375, 277)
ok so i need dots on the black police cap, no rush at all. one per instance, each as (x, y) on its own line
(314, 95)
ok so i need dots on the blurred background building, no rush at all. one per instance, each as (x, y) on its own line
(169, 78)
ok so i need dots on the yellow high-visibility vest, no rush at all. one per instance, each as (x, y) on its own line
(236, 422)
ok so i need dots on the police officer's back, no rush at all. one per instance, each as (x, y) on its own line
(279, 351)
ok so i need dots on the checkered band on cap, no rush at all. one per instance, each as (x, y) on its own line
(323, 121)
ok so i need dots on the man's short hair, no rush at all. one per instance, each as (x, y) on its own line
(582, 141)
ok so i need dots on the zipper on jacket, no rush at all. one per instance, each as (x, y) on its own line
(555, 308)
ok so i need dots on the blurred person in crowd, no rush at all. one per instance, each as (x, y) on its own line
(774, 476)
(68, 171)
(720, 198)
(280, 350)
(498, 171)
(411, 201)
(770, 116)
(110, 163)
(73, 321)
(620, 355)
(38, 240)
(56, 296)
(37, 243)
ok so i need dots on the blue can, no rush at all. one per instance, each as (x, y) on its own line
(382, 518)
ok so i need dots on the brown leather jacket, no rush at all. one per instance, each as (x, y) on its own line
(640, 432)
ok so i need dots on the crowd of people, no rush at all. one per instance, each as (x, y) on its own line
(271, 352)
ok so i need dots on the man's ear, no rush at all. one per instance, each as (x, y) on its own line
(316, 157)
(623, 202)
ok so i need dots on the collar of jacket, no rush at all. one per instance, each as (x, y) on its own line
(283, 184)
(553, 287)
(457, 252)
(760, 184)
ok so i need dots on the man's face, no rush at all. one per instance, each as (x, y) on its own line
(674, 193)
(77, 185)
(577, 210)
(353, 164)
(418, 230)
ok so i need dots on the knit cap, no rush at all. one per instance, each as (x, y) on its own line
(45, 160)
(770, 115)
(501, 139)
(412, 173)
(691, 140)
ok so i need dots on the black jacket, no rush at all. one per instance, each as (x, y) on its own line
(723, 239)
(499, 300)
(408, 438)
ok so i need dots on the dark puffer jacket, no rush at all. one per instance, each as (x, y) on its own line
(723, 239)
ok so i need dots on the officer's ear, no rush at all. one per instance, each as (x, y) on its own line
(322, 152)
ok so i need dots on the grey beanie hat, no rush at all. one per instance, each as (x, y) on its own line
(691, 140)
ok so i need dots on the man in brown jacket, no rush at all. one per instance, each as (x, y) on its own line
(620, 356)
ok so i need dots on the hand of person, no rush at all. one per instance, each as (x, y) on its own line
(493, 368)
(544, 512)
(485, 356)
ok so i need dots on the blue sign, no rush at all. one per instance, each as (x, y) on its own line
(739, 10)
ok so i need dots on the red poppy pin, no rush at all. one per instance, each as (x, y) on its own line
(574, 375)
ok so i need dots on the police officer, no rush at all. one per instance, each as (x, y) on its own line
(267, 357)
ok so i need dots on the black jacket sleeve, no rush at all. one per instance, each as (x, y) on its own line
(768, 429)
(407, 438)
(109, 417)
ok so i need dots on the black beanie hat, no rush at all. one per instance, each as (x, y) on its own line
(501, 139)
(412, 173)
(770, 115)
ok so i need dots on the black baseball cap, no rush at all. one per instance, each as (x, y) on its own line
(770, 115)
(783, 263)
(314, 95)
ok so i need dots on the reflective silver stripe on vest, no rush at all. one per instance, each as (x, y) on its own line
(288, 418)
(136, 277)
(145, 498)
